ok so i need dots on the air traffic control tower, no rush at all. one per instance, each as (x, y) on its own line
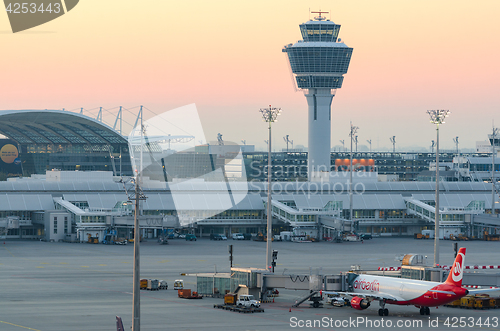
(319, 62)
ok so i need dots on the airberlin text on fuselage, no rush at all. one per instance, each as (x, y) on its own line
(367, 286)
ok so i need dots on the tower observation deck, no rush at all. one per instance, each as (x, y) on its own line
(318, 63)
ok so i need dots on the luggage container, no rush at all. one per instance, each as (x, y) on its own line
(467, 302)
(482, 303)
(162, 285)
(178, 284)
(152, 285)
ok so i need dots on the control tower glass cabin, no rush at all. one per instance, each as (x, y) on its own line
(318, 63)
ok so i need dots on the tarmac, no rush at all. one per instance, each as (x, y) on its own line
(78, 286)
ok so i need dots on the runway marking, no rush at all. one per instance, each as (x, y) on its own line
(19, 326)
(63, 262)
(125, 262)
(40, 267)
(102, 265)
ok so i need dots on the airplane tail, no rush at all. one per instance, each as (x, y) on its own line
(119, 324)
(457, 270)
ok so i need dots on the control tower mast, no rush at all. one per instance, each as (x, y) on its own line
(318, 63)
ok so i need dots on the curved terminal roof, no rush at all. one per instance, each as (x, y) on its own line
(30, 126)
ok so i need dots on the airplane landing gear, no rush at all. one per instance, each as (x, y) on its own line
(425, 311)
(383, 311)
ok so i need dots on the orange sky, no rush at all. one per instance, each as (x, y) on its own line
(225, 56)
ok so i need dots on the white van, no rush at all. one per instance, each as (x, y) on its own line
(238, 236)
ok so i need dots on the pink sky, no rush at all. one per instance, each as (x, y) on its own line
(225, 56)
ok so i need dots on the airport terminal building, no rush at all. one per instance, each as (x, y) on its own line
(75, 173)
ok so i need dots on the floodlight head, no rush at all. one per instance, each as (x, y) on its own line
(270, 114)
(438, 116)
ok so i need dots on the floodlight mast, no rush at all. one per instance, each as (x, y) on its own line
(437, 117)
(352, 134)
(269, 115)
(493, 138)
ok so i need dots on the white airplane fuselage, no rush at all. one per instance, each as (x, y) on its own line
(407, 291)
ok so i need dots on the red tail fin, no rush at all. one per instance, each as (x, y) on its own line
(457, 270)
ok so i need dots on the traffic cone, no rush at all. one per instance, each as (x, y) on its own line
(290, 310)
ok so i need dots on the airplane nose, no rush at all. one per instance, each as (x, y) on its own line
(466, 292)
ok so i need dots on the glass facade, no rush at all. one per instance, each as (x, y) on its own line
(50, 139)
(291, 166)
(309, 81)
(319, 59)
(320, 31)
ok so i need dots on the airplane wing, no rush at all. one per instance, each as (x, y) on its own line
(490, 291)
(378, 296)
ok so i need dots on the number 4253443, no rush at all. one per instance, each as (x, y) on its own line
(32, 8)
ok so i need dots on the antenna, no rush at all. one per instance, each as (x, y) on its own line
(393, 141)
(343, 144)
(320, 18)
(244, 142)
(370, 142)
(219, 139)
(433, 143)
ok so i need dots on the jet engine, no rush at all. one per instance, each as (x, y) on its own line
(359, 303)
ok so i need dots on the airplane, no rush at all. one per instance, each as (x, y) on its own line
(119, 324)
(399, 291)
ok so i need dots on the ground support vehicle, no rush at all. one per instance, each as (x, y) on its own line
(190, 237)
(178, 284)
(230, 303)
(240, 309)
(186, 294)
(152, 285)
(247, 301)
